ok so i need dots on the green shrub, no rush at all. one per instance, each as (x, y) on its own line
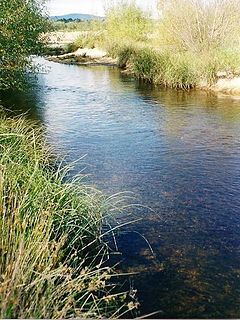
(126, 25)
(209, 64)
(71, 47)
(125, 22)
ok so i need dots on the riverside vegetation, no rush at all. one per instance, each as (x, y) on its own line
(23, 29)
(52, 253)
(191, 44)
(53, 257)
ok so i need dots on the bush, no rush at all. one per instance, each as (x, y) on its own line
(126, 23)
(71, 47)
(209, 65)
(180, 72)
(199, 25)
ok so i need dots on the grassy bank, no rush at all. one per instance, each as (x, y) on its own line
(180, 70)
(191, 44)
(52, 257)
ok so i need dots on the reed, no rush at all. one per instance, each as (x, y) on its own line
(52, 256)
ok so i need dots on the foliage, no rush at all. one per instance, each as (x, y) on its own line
(199, 25)
(172, 70)
(182, 70)
(190, 43)
(126, 23)
(21, 24)
(211, 63)
(145, 65)
(51, 254)
(125, 55)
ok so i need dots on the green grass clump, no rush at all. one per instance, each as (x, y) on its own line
(51, 249)
(145, 65)
(183, 70)
(125, 54)
(164, 68)
(180, 72)
(71, 47)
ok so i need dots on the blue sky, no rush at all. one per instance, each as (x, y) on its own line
(96, 7)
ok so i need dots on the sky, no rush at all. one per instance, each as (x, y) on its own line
(96, 7)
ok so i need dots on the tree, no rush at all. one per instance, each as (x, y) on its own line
(199, 25)
(126, 21)
(22, 27)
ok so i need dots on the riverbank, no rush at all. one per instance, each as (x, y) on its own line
(158, 68)
(228, 86)
(171, 51)
(52, 251)
(85, 56)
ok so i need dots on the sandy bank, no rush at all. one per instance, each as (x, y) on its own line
(85, 56)
(227, 86)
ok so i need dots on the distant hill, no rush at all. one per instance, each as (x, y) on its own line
(76, 16)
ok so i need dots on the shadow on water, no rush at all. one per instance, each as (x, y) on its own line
(23, 102)
(179, 152)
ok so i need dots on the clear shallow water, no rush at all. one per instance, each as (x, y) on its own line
(179, 153)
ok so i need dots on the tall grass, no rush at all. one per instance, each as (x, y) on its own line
(52, 257)
(180, 70)
(162, 68)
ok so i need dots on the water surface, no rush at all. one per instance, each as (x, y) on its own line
(179, 153)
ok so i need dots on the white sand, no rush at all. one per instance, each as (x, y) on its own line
(91, 53)
(229, 86)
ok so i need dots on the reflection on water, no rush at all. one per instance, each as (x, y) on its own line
(180, 153)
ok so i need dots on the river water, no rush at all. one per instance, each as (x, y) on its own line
(179, 154)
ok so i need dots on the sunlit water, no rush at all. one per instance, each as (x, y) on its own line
(179, 153)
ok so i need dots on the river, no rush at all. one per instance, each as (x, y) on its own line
(179, 154)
